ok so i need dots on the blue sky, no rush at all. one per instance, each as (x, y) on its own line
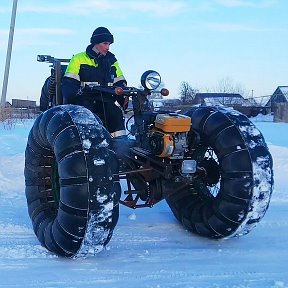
(201, 42)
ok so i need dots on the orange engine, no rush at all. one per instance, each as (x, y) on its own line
(173, 122)
(168, 137)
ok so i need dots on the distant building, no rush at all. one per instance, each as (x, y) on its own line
(7, 104)
(20, 103)
(159, 103)
(280, 95)
(226, 99)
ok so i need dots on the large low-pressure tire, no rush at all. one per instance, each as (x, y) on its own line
(71, 191)
(235, 193)
(45, 95)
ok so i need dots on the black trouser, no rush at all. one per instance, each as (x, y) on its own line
(110, 114)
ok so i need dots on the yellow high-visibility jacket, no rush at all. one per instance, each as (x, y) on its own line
(102, 69)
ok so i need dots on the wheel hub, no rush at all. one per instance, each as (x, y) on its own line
(212, 174)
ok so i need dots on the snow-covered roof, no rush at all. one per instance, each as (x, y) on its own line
(284, 90)
(212, 99)
(281, 91)
(226, 101)
(218, 95)
(163, 102)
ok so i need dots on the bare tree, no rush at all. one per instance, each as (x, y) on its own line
(187, 93)
(226, 85)
(7, 118)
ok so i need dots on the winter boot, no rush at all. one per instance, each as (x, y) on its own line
(122, 145)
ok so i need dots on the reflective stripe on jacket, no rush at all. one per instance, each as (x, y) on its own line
(104, 69)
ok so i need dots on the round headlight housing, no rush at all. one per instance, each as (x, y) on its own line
(150, 80)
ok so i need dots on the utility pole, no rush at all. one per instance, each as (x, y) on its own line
(8, 56)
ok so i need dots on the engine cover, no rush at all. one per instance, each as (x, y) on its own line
(161, 144)
(173, 122)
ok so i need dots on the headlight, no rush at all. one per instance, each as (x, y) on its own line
(150, 80)
(188, 166)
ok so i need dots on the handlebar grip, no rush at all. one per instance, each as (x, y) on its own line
(119, 91)
(164, 92)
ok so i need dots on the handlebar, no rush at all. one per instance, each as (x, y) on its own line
(50, 59)
(120, 91)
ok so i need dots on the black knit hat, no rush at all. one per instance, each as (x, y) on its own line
(101, 34)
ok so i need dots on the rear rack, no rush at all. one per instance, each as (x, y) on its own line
(56, 64)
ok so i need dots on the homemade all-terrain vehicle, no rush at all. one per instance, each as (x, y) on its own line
(211, 165)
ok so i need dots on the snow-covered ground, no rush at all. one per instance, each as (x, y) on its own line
(149, 248)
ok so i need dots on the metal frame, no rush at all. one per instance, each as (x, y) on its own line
(56, 63)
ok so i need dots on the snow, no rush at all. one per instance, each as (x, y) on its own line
(149, 248)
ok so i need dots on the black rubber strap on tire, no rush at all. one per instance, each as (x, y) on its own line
(246, 176)
(87, 212)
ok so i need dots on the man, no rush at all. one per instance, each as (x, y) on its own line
(98, 64)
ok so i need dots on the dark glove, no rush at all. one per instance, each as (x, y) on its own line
(70, 88)
(126, 102)
(122, 100)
